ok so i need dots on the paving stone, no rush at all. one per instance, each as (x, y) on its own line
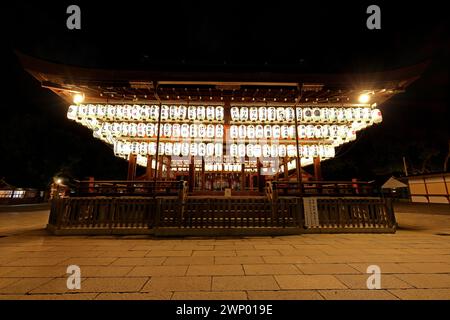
(37, 272)
(124, 254)
(178, 284)
(228, 283)
(213, 270)
(309, 282)
(116, 284)
(385, 267)
(238, 260)
(169, 253)
(269, 269)
(357, 295)
(147, 261)
(287, 259)
(326, 268)
(214, 253)
(189, 261)
(284, 295)
(35, 262)
(214, 295)
(158, 271)
(426, 280)
(360, 281)
(421, 294)
(23, 286)
(88, 261)
(434, 267)
(162, 295)
(257, 253)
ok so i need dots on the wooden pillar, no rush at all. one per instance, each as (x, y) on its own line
(132, 167)
(149, 170)
(191, 175)
(286, 169)
(203, 175)
(168, 167)
(317, 169)
(243, 177)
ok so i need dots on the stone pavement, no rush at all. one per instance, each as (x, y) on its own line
(415, 263)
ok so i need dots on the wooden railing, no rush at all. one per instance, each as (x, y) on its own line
(97, 215)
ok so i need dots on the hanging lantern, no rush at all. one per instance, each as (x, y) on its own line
(210, 129)
(307, 115)
(241, 150)
(366, 114)
(167, 130)
(276, 132)
(92, 110)
(201, 130)
(233, 150)
(176, 149)
(299, 114)
(318, 131)
(291, 151)
(72, 112)
(253, 114)
(324, 115)
(334, 131)
(110, 114)
(176, 130)
(274, 150)
(267, 131)
(118, 148)
(194, 149)
(210, 149)
(161, 148)
(134, 147)
(310, 131)
(243, 114)
(117, 128)
(242, 131)
(313, 151)
(289, 114)
(124, 129)
(185, 148)
(219, 131)
(332, 115)
(316, 115)
(257, 150)
(265, 150)
(251, 132)
(325, 131)
(152, 148)
(150, 130)
(119, 112)
(193, 130)
(173, 112)
(235, 116)
(271, 114)
(218, 151)
(291, 132)
(143, 148)
(154, 112)
(282, 151)
(144, 113)
(284, 129)
(281, 114)
(250, 150)
(219, 113)
(182, 111)
(141, 129)
(136, 112)
(164, 112)
(262, 113)
(102, 111)
(301, 131)
(128, 112)
(210, 113)
(259, 131)
(201, 113)
(192, 113)
(185, 130)
(377, 117)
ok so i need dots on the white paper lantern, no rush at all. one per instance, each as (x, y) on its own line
(152, 148)
(201, 130)
(242, 131)
(332, 115)
(325, 131)
(299, 114)
(377, 117)
(310, 131)
(219, 131)
(265, 150)
(210, 149)
(271, 114)
(176, 130)
(118, 115)
(257, 150)
(101, 111)
(316, 115)
(241, 150)
(233, 150)
(307, 115)
(259, 131)
(210, 130)
(72, 112)
(154, 112)
(282, 151)
(284, 131)
(173, 112)
(185, 130)
(301, 131)
(274, 150)
(185, 149)
(210, 113)
(201, 113)
(268, 131)
(218, 151)
(134, 148)
(150, 130)
(161, 148)
(324, 115)
(276, 132)
(143, 148)
(281, 114)
(176, 150)
(136, 112)
(291, 132)
(251, 132)
(219, 113)
(253, 114)
(250, 150)
(291, 151)
(192, 113)
(243, 114)
(164, 112)
(182, 112)
(92, 110)
(167, 130)
(141, 129)
(194, 149)
(235, 116)
(262, 114)
(193, 130)
(318, 132)
(111, 112)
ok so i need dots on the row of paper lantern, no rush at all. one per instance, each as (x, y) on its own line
(318, 115)
(210, 149)
(145, 112)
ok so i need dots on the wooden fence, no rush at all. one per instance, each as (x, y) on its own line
(219, 216)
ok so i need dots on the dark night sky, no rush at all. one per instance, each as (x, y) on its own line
(37, 141)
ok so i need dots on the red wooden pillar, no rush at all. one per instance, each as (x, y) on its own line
(317, 169)
(132, 167)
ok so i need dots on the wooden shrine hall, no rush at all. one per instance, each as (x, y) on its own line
(223, 152)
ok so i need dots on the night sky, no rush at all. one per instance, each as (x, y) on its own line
(37, 142)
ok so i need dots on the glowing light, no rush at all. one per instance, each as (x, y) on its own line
(364, 98)
(78, 98)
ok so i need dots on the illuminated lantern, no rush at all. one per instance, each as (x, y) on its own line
(291, 132)
(334, 131)
(250, 150)
(176, 130)
(218, 149)
(141, 129)
(235, 114)
(111, 113)
(325, 131)
(266, 150)
(150, 130)
(168, 148)
(310, 131)
(210, 131)
(119, 112)
(219, 131)
(284, 129)
(201, 130)
(276, 132)
(234, 150)
(340, 115)
(219, 113)
(210, 149)
(377, 117)
(307, 115)
(271, 114)
(281, 114)
(167, 130)
(348, 114)
(253, 114)
(176, 150)
(305, 151)
(318, 131)
(182, 110)
(329, 152)
(316, 115)
(267, 131)
(262, 113)
(82, 111)
(192, 113)
(126, 148)
(145, 113)
(274, 150)
(185, 148)
(117, 129)
(136, 112)
(72, 112)
(234, 132)
(125, 129)
(154, 112)
(152, 148)
(366, 115)
(143, 148)
(128, 112)
(259, 131)
(118, 146)
(92, 110)
(289, 114)
(193, 130)
(194, 149)
(301, 131)
(210, 113)
(241, 150)
(314, 150)
(324, 115)
(242, 131)
(201, 113)
(291, 151)
(135, 147)
(300, 151)
(251, 132)
(173, 112)
(332, 115)
(101, 111)
(185, 130)
(257, 150)
(282, 151)
(164, 112)
(161, 148)
(243, 114)
(299, 113)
